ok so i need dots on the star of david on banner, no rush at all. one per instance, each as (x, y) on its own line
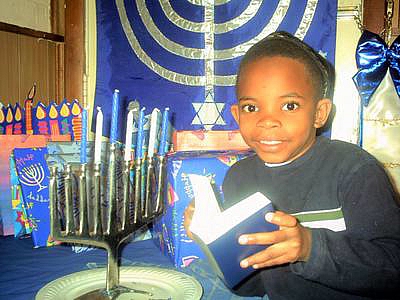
(185, 54)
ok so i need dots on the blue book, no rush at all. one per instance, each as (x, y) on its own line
(217, 231)
(33, 175)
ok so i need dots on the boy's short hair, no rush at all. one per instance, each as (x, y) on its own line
(284, 44)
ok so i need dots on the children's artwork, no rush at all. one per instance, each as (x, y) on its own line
(33, 174)
(22, 226)
(76, 120)
(65, 118)
(54, 120)
(40, 123)
(9, 120)
(53, 114)
(8, 143)
(17, 119)
(2, 120)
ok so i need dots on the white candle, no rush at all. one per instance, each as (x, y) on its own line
(128, 137)
(153, 131)
(98, 137)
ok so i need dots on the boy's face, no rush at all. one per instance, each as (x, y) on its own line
(277, 113)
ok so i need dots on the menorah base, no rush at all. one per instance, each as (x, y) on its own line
(134, 283)
(118, 292)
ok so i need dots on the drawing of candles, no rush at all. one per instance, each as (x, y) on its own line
(28, 109)
(41, 114)
(2, 120)
(65, 115)
(28, 116)
(17, 120)
(9, 120)
(53, 116)
(76, 121)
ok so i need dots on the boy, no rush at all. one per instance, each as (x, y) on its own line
(339, 235)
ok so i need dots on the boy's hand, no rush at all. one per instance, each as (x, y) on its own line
(187, 218)
(292, 242)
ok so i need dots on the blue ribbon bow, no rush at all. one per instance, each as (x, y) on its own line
(373, 58)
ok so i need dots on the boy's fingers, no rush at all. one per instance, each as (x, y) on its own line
(281, 219)
(262, 238)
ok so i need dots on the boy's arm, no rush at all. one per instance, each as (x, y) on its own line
(364, 259)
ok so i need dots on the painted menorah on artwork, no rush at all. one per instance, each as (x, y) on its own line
(33, 175)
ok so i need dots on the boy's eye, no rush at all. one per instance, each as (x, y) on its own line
(290, 106)
(249, 108)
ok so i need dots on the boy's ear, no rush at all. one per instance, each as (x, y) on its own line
(322, 112)
(235, 112)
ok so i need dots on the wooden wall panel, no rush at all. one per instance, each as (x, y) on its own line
(25, 60)
(9, 64)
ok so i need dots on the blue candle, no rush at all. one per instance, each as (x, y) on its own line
(164, 133)
(114, 117)
(139, 140)
(84, 137)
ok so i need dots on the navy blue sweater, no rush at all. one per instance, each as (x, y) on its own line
(344, 195)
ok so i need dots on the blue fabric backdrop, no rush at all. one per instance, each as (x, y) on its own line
(158, 52)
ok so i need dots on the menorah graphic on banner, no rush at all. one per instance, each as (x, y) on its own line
(33, 175)
(195, 46)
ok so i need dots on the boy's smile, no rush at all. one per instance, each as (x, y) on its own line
(277, 112)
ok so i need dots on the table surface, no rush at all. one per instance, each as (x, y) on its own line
(25, 270)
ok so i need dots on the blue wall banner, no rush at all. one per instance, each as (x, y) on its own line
(184, 54)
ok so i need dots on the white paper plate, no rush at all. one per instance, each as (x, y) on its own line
(156, 283)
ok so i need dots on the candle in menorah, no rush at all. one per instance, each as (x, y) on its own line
(119, 207)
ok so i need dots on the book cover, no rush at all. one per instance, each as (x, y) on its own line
(217, 231)
(21, 222)
(8, 143)
(34, 174)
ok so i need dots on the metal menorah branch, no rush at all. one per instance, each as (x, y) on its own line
(129, 206)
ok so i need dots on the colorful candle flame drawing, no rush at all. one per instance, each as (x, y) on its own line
(17, 127)
(9, 120)
(76, 121)
(28, 116)
(53, 115)
(41, 115)
(65, 115)
(28, 109)
(2, 120)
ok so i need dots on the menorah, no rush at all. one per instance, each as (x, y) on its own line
(119, 209)
(33, 175)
